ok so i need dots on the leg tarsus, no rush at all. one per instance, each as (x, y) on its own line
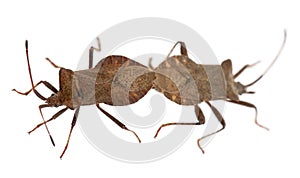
(70, 133)
(40, 109)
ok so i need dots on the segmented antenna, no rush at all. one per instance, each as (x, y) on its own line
(272, 63)
(36, 92)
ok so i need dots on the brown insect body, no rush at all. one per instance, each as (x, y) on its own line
(186, 83)
(183, 81)
(115, 80)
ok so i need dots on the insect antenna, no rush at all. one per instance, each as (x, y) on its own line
(35, 91)
(272, 63)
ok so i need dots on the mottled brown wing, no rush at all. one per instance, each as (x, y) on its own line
(178, 80)
(122, 81)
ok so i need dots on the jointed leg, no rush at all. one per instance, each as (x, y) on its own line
(47, 84)
(183, 50)
(120, 124)
(91, 53)
(150, 64)
(221, 120)
(72, 126)
(52, 118)
(52, 63)
(243, 103)
(40, 109)
(200, 117)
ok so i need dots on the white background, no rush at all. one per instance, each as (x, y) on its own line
(244, 32)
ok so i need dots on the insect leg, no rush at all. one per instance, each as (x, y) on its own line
(91, 53)
(47, 84)
(243, 103)
(200, 117)
(221, 120)
(52, 63)
(40, 109)
(243, 68)
(31, 80)
(72, 126)
(120, 124)
(183, 50)
(52, 118)
(199, 114)
(150, 64)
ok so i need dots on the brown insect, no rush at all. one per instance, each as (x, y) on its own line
(186, 83)
(115, 80)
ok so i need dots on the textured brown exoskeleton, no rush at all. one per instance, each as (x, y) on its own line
(115, 80)
(186, 83)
